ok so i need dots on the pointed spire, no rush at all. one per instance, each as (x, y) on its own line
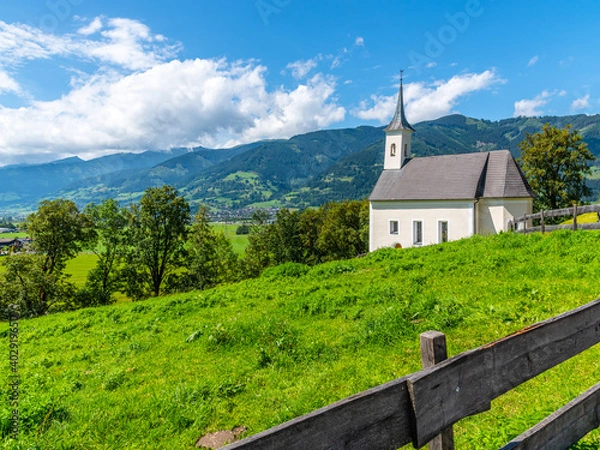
(399, 121)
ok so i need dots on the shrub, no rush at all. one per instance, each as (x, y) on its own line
(293, 270)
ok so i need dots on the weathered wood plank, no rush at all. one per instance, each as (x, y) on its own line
(379, 418)
(467, 383)
(433, 351)
(588, 209)
(563, 428)
(433, 348)
(557, 213)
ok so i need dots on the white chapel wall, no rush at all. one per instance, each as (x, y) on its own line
(458, 214)
(495, 213)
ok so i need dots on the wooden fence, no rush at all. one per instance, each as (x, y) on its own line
(520, 224)
(423, 406)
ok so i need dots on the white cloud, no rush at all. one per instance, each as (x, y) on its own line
(431, 65)
(125, 43)
(301, 68)
(581, 103)
(531, 107)
(428, 101)
(359, 41)
(532, 62)
(95, 26)
(213, 103)
(9, 84)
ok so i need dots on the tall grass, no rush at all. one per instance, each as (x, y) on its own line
(160, 373)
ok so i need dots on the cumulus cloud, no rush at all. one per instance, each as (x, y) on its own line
(531, 107)
(359, 41)
(214, 103)
(139, 97)
(427, 101)
(581, 103)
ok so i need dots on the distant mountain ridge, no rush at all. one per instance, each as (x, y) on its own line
(305, 170)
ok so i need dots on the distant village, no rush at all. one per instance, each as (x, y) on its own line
(8, 245)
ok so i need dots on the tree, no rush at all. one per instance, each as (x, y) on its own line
(211, 260)
(24, 281)
(258, 254)
(345, 230)
(158, 228)
(555, 162)
(108, 222)
(58, 232)
(285, 241)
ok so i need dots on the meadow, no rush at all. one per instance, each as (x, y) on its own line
(239, 242)
(162, 372)
(18, 234)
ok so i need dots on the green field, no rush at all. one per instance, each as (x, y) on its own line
(13, 235)
(238, 241)
(160, 373)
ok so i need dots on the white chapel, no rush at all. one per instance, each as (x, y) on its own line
(430, 200)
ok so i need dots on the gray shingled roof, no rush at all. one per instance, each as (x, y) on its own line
(454, 177)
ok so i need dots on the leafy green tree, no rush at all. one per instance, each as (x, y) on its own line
(310, 224)
(58, 231)
(23, 282)
(345, 230)
(334, 231)
(109, 244)
(284, 237)
(258, 255)
(158, 229)
(211, 260)
(555, 162)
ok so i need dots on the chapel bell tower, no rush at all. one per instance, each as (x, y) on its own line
(398, 136)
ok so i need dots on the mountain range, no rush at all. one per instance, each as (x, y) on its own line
(305, 170)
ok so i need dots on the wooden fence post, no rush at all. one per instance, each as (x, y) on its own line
(542, 224)
(433, 351)
(574, 216)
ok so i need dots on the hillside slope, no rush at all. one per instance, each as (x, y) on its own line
(27, 184)
(160, 373)
(305, 170)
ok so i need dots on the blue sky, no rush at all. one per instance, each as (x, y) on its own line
(89, 78)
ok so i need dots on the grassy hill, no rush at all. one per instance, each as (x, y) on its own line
(160, 373)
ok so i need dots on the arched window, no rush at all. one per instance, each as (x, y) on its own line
(393, 150)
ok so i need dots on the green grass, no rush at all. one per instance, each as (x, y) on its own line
(160, 373)
(238, 241)
(77, 268)
(13, 235)
(242, 176)
(583, 218)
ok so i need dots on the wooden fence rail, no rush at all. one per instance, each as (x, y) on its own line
(542, 215)
(418, 407)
